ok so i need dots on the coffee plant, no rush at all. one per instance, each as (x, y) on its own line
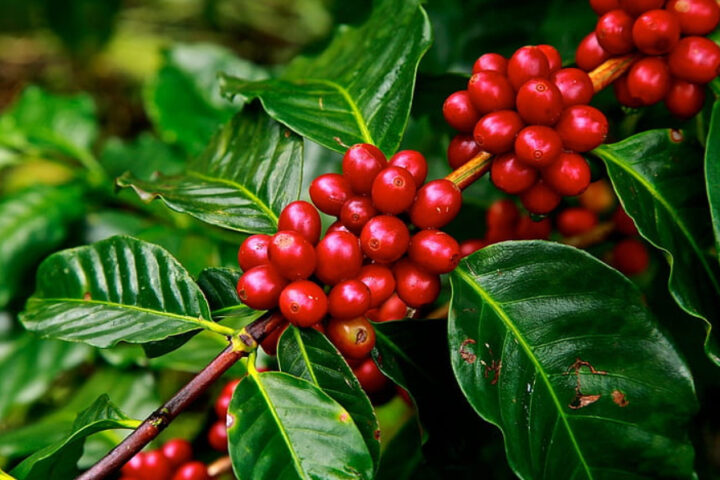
(428, 240)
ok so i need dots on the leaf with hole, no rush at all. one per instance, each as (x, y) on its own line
(558, 350)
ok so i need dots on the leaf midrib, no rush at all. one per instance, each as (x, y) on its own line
(671, 211)
(305, 356)
(531, 356)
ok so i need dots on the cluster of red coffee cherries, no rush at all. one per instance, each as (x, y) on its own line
(677, 60)
(172, 461)
(533, 115)
(369, 264)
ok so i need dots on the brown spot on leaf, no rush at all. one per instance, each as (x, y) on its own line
(376, 434)
(87, 297)
(676, 136)
(344, 417)
(469, 357)
(581, 400)
(619, 398)
(579, 363)
(340, 142)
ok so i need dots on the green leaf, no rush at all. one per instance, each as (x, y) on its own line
(120, 289)
(557, 349)
(220, 288)
(143, 157)
(184, 100)
(402, 456)
(712, 171)
(30, 365)
(60, 460)
(359, 89)
(657, 175)
(250, 171)
(5, 476)
(33, 223)
(283, 427)
(308, 354)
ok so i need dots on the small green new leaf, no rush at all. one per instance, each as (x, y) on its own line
(60, 459)
(119, 289)
(246, 176)
(557, 349)
(283, 427)
(656, 175)
(359, 89)
(308, 354)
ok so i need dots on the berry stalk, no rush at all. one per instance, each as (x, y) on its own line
(610, 70)
(466, 174)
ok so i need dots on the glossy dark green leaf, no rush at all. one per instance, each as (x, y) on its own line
(283, 427)
(250, 171)
(220, 288)
(557, 349)
(712, 171)
(143, 157)
(658, 176)
(59, 460)
(31, 364)
(184, 100)
(308, 354)
(120, 289)
(33, 223)
(359, 89)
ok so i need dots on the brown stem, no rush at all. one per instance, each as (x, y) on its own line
(475, 168)
(610, 70)
(219, 466)
(249, 337)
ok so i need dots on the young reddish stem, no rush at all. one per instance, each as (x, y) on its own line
(245, 342)
(601, 77)
(598, 234)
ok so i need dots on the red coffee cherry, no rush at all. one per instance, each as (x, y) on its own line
(392, 309)
(360, 164)
(501, 214)
(696, 17)
(553, 57)
(291, 255)
(539, 102)
(254, 251)
(217, 436)
(568, 175)
(623, 223)
(459, 111)
(435, 251)
(415, 285)
(380, 281)
(338, 226)
(491, 91)
(393, 190)
(354, 337)
(649, 80)
(192, 471)
(269, 345)
(614, 32)
(601, 7)
(526, 63)
(155, 465)
(582, 128)
(461, 149)
(590, 54)
(599, 197)
(538, 146)
(496, 131)
(222, 403)
(623, 95)
(301, 217)
(178, 451)
(695, 59)
(685, 99)
(656, 32)
(491, 62)
(356, 212)
(540, 199)
(134, 467)
(511, 175)
(472, 245)
(348, 299)
(528, 229)
(636, 7)
(574, 85)
(630, 257)
(499, 234)
(575, 221)
(385, 238)
(338, 257)
(329, 192)
(303, 303)
(371, 379)
(412, 161)
(436, 204)
(259, 288)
